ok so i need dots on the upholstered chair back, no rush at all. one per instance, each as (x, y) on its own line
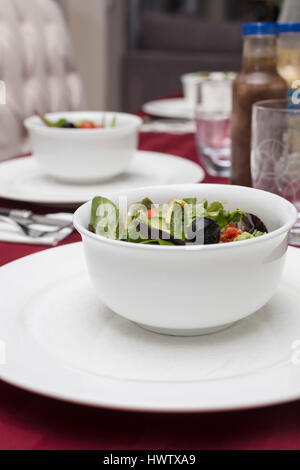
(37, 69)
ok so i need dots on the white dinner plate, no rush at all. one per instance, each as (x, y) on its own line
(177, 108)
(22, 180)
(61, 341)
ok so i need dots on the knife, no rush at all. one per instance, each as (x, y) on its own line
(28, 217)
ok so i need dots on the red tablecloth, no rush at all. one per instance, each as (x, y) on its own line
(29, 421)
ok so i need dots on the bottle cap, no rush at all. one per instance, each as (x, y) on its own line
(289, 28)
(261, 29)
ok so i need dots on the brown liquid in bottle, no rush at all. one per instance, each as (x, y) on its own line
(257, 81)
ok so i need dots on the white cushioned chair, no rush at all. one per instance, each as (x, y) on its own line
(36, 68)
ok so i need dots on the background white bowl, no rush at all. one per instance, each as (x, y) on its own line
(191, 84)
(194, 289)
(84, 155)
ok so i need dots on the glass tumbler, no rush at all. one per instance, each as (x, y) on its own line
(275, 154)
(213, 120)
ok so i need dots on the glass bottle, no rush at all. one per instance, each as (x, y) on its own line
(258, 80)
(288, 53)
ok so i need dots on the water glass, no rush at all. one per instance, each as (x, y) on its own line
(213, 118)
(275, 155)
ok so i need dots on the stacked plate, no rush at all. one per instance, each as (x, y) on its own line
(57, 338)
(71, 165)
(22, 179)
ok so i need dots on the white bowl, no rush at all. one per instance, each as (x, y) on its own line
(84, 155)
(191, 84)
(191, 290)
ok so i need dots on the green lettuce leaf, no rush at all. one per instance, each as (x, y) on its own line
(157, 242)
(177, 228)
(257, 233)
(105, 218)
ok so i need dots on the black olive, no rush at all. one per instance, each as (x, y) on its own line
(203, 231)
(68, 125)
(250, 222)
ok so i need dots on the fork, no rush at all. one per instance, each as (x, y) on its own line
(29, 232)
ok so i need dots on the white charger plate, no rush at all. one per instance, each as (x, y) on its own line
(176, 108)
(62, 342)
(22, 180)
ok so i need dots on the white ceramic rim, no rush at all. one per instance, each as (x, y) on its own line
(194, 77)
(226, 246)
(270, 105)
(78, 200)
(170, 102)
(137, 122)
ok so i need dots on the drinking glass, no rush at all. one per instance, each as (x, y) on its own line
(275, 155)
(213, 118)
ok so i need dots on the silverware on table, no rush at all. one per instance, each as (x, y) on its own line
(28, 217)
(23, 220)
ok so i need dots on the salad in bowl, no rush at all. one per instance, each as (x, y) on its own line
(186, 259)
(179, 222)
(63, 123)
(83, 147)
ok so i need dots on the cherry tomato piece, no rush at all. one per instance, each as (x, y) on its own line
(230, 233)
(87, 125)
(151, 212)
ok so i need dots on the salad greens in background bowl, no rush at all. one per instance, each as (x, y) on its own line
(85, 146)
(187, 279)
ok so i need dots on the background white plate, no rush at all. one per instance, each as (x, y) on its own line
(177, 108)
(61, 341)
(22, 180)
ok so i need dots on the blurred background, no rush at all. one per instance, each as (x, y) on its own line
(114, 54)
(138, 49)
